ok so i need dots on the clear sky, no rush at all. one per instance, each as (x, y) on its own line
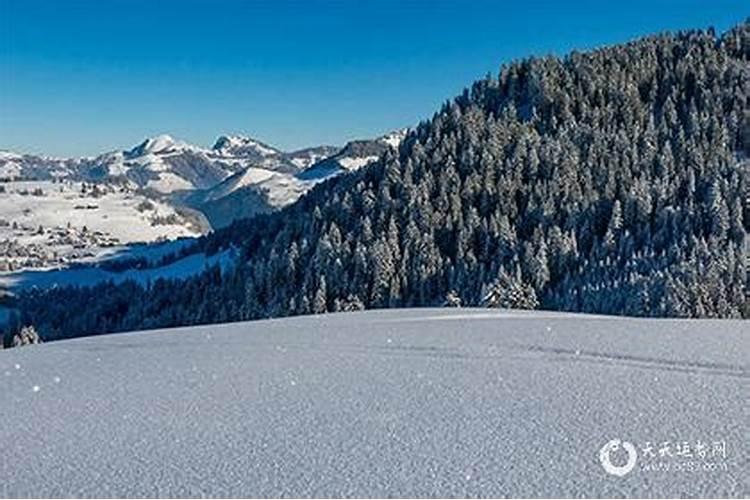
(82, 77)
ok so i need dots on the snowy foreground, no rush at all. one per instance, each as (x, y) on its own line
(387, 403)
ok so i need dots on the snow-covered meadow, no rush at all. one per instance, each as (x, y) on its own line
(422, 402)
(49, 224)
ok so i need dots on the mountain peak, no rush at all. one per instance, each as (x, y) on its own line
(234, 145)
(158, 144)
(9, 155)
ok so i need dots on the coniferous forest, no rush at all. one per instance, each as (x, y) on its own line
(613, 181)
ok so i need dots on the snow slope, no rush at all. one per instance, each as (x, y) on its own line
(282, 188)
(262, 188)
(88, 275)
(353, 156)
(441, 402)
(248, 193)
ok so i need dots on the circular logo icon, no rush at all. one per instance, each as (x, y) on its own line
(605, 459)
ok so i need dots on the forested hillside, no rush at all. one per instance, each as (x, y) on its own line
(613, 181)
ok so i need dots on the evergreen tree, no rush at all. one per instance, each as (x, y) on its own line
(615, 181)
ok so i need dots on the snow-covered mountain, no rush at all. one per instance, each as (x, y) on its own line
(161, 164)
(239, 146)
(304, 158)
(16, 166)
(247, 193)
(166, 165)
(249, 151)
(274, 184)
(354, 155)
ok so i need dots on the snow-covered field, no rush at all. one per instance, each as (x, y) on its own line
(446, 402)
(48, 224)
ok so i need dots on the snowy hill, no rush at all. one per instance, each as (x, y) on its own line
(247, 193)
(354, 155)
(412, 403)
(283, 177)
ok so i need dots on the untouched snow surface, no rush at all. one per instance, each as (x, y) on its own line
(114, 212)
(386, 403)
(46, 224)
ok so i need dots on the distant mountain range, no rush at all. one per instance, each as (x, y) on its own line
(237, 177)
(273, 179)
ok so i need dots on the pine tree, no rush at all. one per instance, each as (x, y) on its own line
(27, 335)
(319, 303)
(509, 292)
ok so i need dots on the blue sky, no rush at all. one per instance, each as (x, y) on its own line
(82, 77)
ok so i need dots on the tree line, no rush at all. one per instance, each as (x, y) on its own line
(613, 181)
